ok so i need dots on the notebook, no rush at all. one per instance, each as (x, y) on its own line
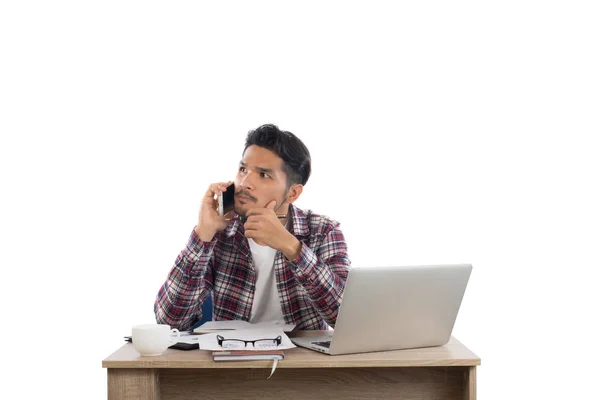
(392, 308)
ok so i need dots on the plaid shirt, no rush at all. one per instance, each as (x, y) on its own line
(310, 287)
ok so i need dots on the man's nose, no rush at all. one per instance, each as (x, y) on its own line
(247, 181)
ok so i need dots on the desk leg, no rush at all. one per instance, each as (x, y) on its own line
(471, 383)
(133, 384)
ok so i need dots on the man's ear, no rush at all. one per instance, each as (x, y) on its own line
(294, 192)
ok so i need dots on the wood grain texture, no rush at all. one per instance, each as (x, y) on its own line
(432, 383)
(453, 353)
(445, 372)
(471, 384)
(133, 384)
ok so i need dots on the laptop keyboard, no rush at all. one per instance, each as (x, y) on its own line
(323, 344)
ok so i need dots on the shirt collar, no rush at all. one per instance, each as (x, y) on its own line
(299, 223)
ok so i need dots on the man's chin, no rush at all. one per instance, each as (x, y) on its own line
(240, 211)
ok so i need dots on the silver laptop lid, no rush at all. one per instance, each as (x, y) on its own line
(389, 308)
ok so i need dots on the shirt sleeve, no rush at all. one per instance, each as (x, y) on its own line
(180, 298)
(323, 273)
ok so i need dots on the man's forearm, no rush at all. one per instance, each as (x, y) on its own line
(323, 274)
(204, 235)
(291, 249)
(177, 300)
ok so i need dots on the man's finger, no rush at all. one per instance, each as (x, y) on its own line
(217, 188)
(213, 191)
(251, 226)
(252, 218)
(254, 235)
(224, 185)
(257, 211)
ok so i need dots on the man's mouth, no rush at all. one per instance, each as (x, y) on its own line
(245, 198)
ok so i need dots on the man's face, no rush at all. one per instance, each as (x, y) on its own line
(260, 180)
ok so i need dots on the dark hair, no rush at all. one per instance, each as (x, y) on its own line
(295, 155)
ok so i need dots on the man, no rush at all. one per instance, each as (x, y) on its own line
(268, 261)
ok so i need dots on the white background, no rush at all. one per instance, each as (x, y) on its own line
(441, 132)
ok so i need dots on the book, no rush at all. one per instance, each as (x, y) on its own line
(246, 355)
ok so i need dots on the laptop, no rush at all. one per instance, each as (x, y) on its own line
(393, 308)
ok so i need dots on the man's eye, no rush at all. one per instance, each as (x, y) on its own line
(264, 175)
(242, 169)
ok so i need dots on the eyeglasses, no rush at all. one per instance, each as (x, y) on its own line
(241, 344)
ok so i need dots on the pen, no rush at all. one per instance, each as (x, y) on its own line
(281, 216)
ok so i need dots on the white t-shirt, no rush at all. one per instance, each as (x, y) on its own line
(266, 306)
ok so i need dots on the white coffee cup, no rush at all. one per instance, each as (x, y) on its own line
(153, 339)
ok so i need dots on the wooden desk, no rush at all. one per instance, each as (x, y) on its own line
(446, 372)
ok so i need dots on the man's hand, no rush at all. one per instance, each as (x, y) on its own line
(264, 227)
(209, 220)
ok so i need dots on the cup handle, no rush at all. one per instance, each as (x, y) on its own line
(175, 332)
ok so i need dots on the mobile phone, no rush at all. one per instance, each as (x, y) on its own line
(226, 200)
(185, 346)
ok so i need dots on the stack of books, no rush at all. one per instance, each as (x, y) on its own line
(245, 355)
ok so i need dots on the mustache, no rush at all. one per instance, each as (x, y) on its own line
(246, 194)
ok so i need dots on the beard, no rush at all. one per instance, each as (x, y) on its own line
(242, 212)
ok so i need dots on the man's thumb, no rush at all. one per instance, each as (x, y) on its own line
(271, 205)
